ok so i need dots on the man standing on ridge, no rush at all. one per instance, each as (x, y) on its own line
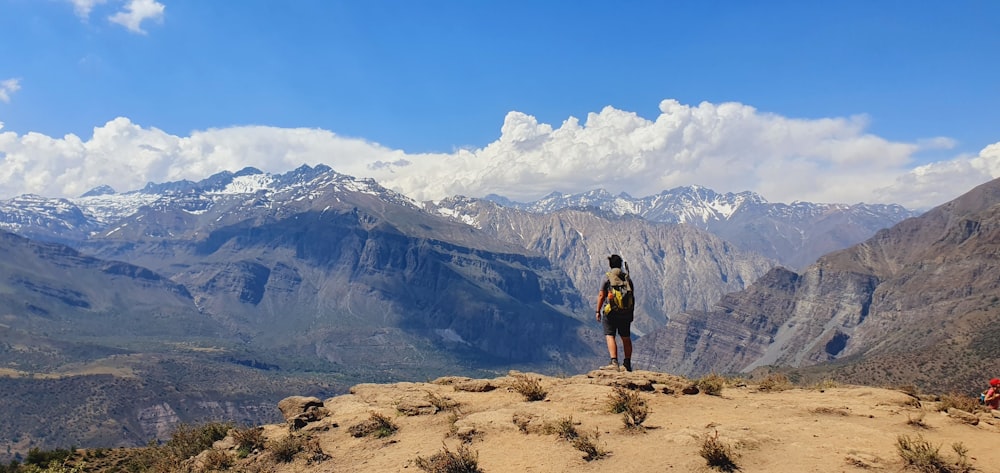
(615, 310)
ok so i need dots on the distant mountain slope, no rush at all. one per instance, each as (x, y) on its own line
(44, 286)
(794, 234)
(324, 265)
(918, 304)
(96, 352)
(675, 267)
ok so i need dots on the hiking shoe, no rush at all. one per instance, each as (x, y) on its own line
(611, 366)
(627, 363)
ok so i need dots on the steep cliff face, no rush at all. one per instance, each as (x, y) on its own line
(674, 267)
(925, 289)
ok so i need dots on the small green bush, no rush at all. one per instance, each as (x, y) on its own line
(44, 458)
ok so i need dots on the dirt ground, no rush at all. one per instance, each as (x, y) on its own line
(829, 429)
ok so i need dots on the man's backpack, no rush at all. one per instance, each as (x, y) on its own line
(620, 297)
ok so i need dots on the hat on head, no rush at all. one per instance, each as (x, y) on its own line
(615, 261)
(995, 382)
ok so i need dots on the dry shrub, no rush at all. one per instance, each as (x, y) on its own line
(922, 456)
(630, 405)
(775, 382)
(462, 460)
(185, 442)
(377, 425)
(530, 388)
(712, 384)
(588, 445)
(564, 428)
(285, 448)
(958, 401)
(249, 440)
(718, 454)
(217, 460)
(312, 451)
(188, 440)
(825, 384)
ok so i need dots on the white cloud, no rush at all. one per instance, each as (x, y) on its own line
(83, 7)
(131, 15)
(728, 147)
(137, 11)
(8, 87)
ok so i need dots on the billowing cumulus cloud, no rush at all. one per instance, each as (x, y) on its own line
(728, 147)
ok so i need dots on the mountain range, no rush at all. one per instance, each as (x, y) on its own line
(311, 280)
(916, 304)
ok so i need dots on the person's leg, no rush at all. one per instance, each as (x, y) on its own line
(612, 346)
(627, 348)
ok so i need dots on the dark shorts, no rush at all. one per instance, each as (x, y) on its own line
(617, 324)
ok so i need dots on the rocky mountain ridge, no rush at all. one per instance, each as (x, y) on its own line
(794, 234)
(916, 303)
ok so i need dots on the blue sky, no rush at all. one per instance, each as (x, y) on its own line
(884, 101)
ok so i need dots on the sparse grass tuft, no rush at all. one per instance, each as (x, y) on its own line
(712, 384)
(530, 388)
(718, 454)
(462, 460)
(630, 405)
(377, 425)
(922, 456)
